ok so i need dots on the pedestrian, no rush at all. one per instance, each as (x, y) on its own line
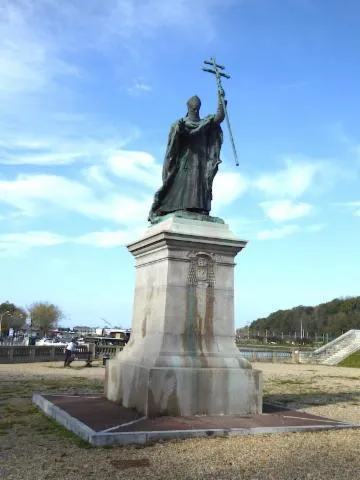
(69, 352)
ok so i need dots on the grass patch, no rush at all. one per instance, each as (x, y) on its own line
(291, 381)
(47, 426)
(27, 416)
(19, 414)
(353, 361)
(25, 388)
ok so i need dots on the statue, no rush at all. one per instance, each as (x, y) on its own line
(192, 158)
(191, 163)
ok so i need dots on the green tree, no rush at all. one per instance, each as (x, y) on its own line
(11, 316)
(44, 315)
(334, 317)
(17, 319)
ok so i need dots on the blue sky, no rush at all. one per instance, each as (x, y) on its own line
(88, 91)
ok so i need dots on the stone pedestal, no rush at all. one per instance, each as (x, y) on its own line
(181, 358)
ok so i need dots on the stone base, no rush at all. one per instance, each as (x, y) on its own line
(184, 391)
(181, 358)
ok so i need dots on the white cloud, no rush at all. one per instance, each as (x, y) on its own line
(40, 44)
(294, 180)
(317, 227)
(145, 17)
(227, 187)
(287, 230)
(283, 210)
(17, 149)
(138, 88)
(97, 174)
(110, 238)
(29, 56)
(354, 206)
(243, 227)
(104, 238)
(136, 166)
(33, 195)
(277, 233)
(17, 244)
(50, 30)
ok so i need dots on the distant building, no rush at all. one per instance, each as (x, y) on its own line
(84, 330)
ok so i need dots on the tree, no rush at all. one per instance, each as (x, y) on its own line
(333, 317)
(17, 319)
(11, 316)
(44, 315)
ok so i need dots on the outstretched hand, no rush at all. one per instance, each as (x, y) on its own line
(181, 125)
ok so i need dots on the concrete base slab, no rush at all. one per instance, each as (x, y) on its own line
(181, 391)
(102, 422)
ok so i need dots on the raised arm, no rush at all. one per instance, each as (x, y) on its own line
(220, 113)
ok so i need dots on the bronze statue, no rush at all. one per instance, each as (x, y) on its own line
(192, 159)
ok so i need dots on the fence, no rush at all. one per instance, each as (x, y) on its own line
(44, 353)
(268, 355)
(26, 354)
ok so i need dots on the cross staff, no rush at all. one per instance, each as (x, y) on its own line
(218, 74)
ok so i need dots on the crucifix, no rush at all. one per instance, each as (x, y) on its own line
(217, 70)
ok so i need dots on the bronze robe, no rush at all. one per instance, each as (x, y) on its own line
(191, 163)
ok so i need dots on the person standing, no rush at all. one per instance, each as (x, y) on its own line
(69, 352)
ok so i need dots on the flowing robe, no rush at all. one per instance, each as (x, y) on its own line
(191, 163)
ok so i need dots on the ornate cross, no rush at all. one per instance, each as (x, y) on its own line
(217, 71)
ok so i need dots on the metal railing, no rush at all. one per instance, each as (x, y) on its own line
(257, 355)
(25, 354)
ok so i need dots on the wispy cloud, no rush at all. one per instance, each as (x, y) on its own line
(287, 230)
(34, 195)
(20, 149)
(52, 31)
(109, 238)
(137, 88)
(18, 244)
(228, 186)
(317, 227)
(277, 233)
(97, 194)
(24, 29)
(283, 210)
(137, 166)
(354, 207)
(40, 49)
(292, 181)
(97, 174)
(338, 132)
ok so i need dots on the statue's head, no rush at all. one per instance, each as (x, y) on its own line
(194, 104)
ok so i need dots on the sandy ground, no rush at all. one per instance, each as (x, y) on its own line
(33, 450)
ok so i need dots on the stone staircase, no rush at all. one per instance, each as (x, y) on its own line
(336, 351)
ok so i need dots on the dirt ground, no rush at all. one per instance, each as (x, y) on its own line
(33, 447)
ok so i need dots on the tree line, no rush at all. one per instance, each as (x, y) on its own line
(332, 318)
(40, 315)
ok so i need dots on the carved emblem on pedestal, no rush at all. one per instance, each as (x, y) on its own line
(202, 269)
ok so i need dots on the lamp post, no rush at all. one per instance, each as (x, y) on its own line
(1, 319)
